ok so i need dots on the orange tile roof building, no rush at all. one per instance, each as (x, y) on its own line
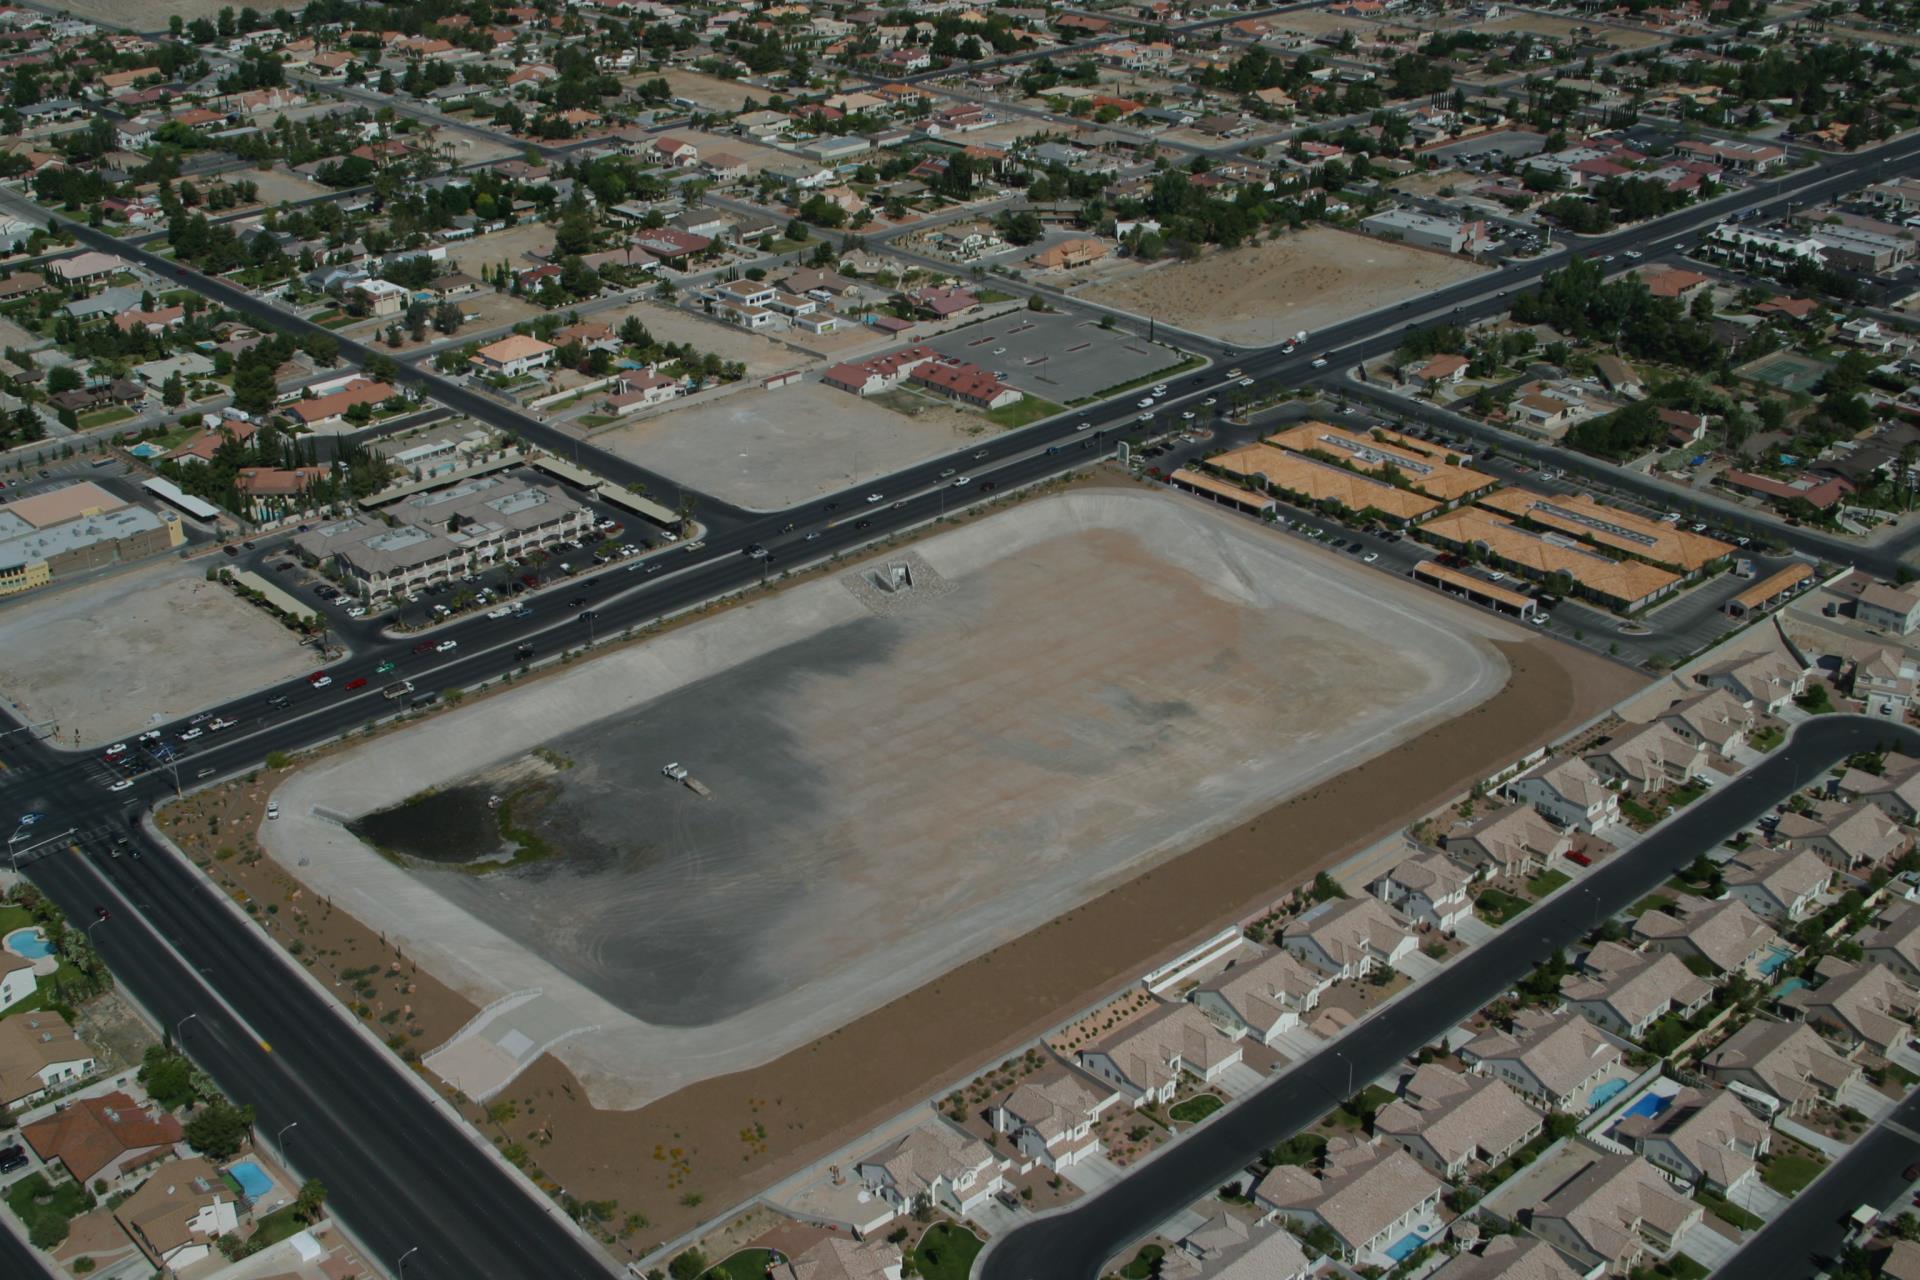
(1382, 453)
(1580, 516)
(1625, 585)
(1308, 481)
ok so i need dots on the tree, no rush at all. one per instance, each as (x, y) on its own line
(174, 391)
(219, 1129)
(306, 1206)
(63, 377)
(168, 1077)
(690, 1265)
(253, 387)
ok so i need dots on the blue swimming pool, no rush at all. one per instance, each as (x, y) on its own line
(1788, 987)
(253, 1180)
(30, 943)
(1775, 957)
(1606, 1093)
(1648, 1104)
(1404, 1246)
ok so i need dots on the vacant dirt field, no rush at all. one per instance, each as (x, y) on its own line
(509, 246)
(104, 658)
(1262, 293)
(771, 449)
(670, 324)
(277, 185)
(141, 17)
(711, 92)
(491, 309)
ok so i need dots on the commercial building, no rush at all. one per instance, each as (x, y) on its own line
(445, 534)
(1625, 585)
(1384, 454)
(1309, 482)
(1428, 231)
(1580, 516)
(967, 383)
(73, 529)
(1771, 591)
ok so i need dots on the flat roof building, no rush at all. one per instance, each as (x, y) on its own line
(73, 529)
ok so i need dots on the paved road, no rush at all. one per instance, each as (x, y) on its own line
(1077, 1242)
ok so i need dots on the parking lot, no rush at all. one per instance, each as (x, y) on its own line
(1056, 357)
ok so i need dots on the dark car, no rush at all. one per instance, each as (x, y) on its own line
(278, 700)
(863, 524)
(578, 602)
(231, 550)
(11, 1158)
(425, 646)
(358, 682)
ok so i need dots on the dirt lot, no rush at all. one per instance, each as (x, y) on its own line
(817, 1098)
(493, 309)
(762, 356)
(509, 246)
(139, 17)
(277, 185)
(104, 657)
(1262, 293)
(1560, 28)
(711, 92)
(770, 449)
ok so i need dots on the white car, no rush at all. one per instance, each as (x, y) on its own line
(1082, 426)
(122, 785)
(446, 646)
(1496, 576)
(875, 497)
(215, 726)
(151, 735)
(1146, 403)
(1209, 402)
(116, 750)
(358, 611)
(273, 810)
(1147, 417)
(1541, 619)
(191, 734)
(502, 612)
(963, 480)
(1188, 416)
(1159, 388)
(321, 682)
(1319, 362)
(1246, 382)
(1370, 557)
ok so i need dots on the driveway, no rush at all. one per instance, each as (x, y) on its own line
(1298, 1043)
(1756, 1197)
(1091, 1174)
(997, 1218)
(1706, 1246)
(1419, 966)
(1866, 1099)
(1473, 930)
(1238, 1079)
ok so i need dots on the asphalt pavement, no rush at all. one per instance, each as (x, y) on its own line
(1077, 1242)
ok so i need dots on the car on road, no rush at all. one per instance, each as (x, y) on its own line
(191, 734)
(1233, 373)
(273, 810)
(979, 454)
(756, 551)
(943, 475)
(425, 646)
(446, 646)
(1146, 403)
(1319, 362)
(816, 533)
(863, 524)
(1209, 402)
(121, 785)
(319, 679)
(215, 726)
(1246, 382)
(1187, 416)
(963, 480)
(589, 615)
(358, 682)
(1082, 426)
(1146, 417)
(231, 550)
(875, 497)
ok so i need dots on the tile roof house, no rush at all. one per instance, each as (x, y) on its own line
(1895, 940)
(1853, 839)
(1263, 998)
(1219, 1234)
(1556, 1059)
(513, 355)
(1277, 1256)
(1569, 794)
(1901, 1261)
(1447, 1120)
(104, 1137)
(1430, 889)
(1860, 1004)
(328, 409)
(1145, 1057)
(1723, 932)
(1713, 719)
(1783, 1060)
(837, 1258)
(1648, 759)
(1613, 1213)
(17, 979)
(1703, 1138)
(1051, 1119)
(1778, 884)
(39, 1050)
(934, 1164)
(1368, 1194)
(1347, 938)
(178, 1213)
(1766, 682)
(1896, 788)
(1516, 841)
(1508, 1258)
(1625, 990)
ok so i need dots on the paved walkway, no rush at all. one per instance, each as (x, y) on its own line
(1756, 1197)
(1706, 1246)
(1818, 1141)
(1866, 1099)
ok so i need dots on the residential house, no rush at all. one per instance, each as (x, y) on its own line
(1217, 1235)
(1713, 719)
(967, 383)
(328, 411)
(1884, 681)
(1778, 884)
(1612, 1214)
(104, 1138)
(1368, 1195)
(1444, 370)
(1515, 841)
(1262, 999)
(1896, 788)
(1430, 889)
(1449, 1121)
(837, 1258)
(879, 373)
(1569, 794)
(269, 492)
(1784, 1061)
(1853, 839)
(1277, 1256)
(936, 1165)
(1509, 1258)
(1625, 990)
(1703, 1139)
(1724, 932)
(512, 356)
(85, 268)
(1557, 1059)
(1051, 1119)
(39, 1051)
(1863, 1004)
(1764, 682)
(1144, 1058)
(17, 979)
(179, 1213)
(1895, 940)
(1881, 605)
(1349, 937)
(1068, 254)
(1648, 759)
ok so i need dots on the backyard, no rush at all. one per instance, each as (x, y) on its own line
(46, 1208)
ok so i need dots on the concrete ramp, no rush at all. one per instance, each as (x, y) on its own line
(504, 1039)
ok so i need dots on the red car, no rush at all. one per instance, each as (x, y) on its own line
(425, 646)
(358, 682)
(1575, 856)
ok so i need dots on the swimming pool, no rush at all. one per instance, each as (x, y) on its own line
(1606, 1093)
(253, 1180)
(1404, 1246)
(1775, 957)
(1788, 987)
(30, 943)
(1648, 1104)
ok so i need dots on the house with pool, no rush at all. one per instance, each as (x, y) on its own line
(17, 979)
(1626, 991)
(1377, 1201)
(1724, 933)
(1558, 1060)
(1785, 1065)
(1613, 1213)
(39, 1051)
(1700, 1138)
(1859, 1004)
(25, 957)
(178, 1213)
(1895, 940)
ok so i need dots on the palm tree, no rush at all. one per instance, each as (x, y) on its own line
(306, 1205)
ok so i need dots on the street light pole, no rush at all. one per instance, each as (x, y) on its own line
(400, 1268)
(181, 1028)
(280, 1139)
